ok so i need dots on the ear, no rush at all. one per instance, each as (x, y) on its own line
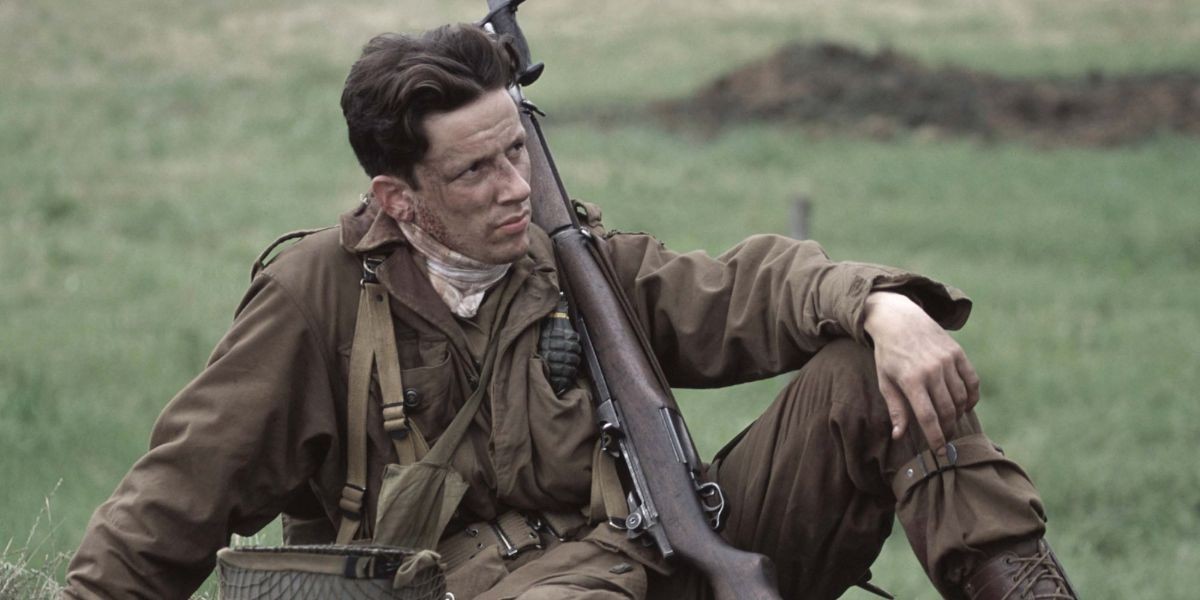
(395, 196)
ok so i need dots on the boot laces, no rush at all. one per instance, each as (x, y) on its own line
(1033, 570)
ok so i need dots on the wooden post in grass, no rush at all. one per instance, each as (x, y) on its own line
(801, 217)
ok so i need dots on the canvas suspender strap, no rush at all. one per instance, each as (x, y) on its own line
(409, 443)
(374, 345)
(361, 357)
(417, 501)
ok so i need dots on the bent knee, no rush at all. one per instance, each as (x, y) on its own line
(845, 353)
(840, 380)
(843, 363)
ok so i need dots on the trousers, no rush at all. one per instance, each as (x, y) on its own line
(812, 484)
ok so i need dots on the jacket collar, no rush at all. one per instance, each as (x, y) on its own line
(368, 230)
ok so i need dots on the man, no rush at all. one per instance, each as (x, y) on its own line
(813, 483)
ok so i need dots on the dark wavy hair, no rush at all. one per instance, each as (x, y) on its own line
(400, 79)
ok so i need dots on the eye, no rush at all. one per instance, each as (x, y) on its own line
(516, 148)
(473, 169)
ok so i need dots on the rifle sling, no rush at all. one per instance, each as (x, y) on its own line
(608, 495)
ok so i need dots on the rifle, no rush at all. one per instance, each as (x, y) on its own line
(640, 422)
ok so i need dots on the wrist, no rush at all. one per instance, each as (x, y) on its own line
(880, 308)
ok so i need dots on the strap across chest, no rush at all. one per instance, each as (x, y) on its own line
(374, 347)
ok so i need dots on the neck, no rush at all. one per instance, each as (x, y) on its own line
(460, 280)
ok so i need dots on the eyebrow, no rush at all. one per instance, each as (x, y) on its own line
(455, 167)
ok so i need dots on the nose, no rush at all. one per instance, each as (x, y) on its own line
(514, 186)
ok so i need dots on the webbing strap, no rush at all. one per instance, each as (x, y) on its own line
(608, 496)
(443, 450)
(965, 451)
(409, 443)
(374, 346)
(361, 356)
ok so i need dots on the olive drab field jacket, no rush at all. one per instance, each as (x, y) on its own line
(262, 430)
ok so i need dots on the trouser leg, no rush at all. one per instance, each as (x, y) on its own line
(804, 482)
(810, 485)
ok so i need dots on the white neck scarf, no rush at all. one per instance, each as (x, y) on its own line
(461, 281)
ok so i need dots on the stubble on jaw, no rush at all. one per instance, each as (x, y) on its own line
(430, 222)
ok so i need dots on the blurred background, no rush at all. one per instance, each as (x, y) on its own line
(1041, 155)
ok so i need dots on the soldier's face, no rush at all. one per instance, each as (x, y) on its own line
(473, 184)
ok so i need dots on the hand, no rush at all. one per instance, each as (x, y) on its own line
(919, 363)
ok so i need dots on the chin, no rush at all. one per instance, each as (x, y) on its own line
(512, 252)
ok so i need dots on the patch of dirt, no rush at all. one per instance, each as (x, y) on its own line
(830, 86)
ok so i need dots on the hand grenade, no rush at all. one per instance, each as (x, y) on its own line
(560, 349)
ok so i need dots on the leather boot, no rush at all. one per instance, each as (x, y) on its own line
(1024, 571)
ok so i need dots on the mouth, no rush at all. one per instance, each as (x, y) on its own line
(514, 224)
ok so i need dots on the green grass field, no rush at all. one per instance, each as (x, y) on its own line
(148, 151)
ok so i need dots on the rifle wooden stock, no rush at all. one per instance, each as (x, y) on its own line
(634, 383)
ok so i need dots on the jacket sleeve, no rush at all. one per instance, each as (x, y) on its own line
(225, 456)
(760, 309)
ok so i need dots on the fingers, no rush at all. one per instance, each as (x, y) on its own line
(970, 379)
(944, 405)
(931, 404)
(895, 405)
(924, 375)
(957, 388)
(927, 416)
